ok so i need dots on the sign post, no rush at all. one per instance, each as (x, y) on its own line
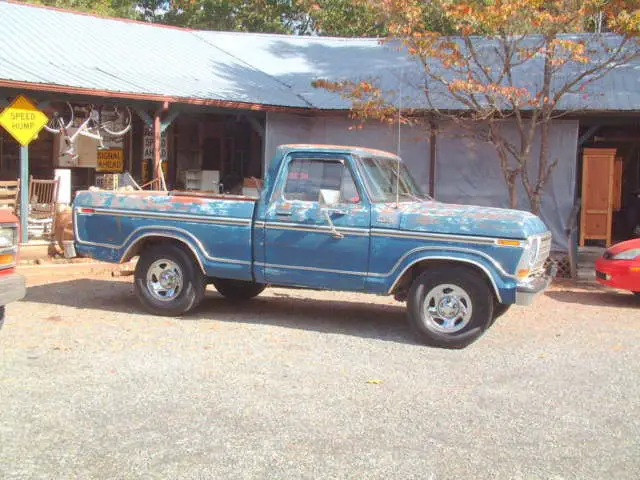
(24, 192)
(23, 121)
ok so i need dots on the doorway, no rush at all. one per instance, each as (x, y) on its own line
(610, 185)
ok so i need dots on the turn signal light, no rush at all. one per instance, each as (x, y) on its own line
(7, 259)
(634, 269)
(523, 273)
(509, 243)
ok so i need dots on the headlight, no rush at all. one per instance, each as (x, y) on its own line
(526, 261)
(8, 237)
(627, 254)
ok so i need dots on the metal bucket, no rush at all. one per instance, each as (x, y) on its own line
(69, 250)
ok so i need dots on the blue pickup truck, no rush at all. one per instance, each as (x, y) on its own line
(327, 217)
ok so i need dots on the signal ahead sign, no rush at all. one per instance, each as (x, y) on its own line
(23, 120)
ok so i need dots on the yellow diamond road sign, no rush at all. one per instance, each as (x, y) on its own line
(23, 120)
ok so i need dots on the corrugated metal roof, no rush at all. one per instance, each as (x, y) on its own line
(40, 45)
(46, 46)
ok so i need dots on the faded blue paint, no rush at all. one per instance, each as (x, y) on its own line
(437, 217)
(288, 242)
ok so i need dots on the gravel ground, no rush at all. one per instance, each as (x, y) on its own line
(298, 384)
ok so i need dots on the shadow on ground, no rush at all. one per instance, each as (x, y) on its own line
(361, 319)
(599, 297)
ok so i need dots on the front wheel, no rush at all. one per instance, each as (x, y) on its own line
(450, 307)
(238, 290)
(168, 281)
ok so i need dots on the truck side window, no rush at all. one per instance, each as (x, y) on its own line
(306, 177)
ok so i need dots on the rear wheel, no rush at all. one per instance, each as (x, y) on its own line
(1, 316)
(168, 281)
(450, 307)
(238, 289)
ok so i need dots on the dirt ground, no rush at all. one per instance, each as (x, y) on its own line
(305, 384)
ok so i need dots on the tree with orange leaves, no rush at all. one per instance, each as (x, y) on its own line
(529, 61)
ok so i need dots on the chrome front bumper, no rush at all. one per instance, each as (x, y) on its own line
(528, 289)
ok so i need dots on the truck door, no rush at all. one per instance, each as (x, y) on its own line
(301, 248)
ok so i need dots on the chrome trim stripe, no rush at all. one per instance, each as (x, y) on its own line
(364, 232)
(158, 232)
(444, 257)
(168, 216)
(258, 223)
(379, 232)
(312, 269)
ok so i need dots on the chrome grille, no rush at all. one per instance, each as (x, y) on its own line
(544, 250)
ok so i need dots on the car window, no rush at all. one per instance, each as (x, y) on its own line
(306, 177)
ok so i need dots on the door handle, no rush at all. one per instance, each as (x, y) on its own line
(284, 213)
(337, 211)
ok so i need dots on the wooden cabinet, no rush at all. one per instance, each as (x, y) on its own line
(598, 196)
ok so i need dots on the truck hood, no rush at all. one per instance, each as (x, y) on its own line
(436, 217)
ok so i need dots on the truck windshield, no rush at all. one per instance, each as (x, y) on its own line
(383, 176)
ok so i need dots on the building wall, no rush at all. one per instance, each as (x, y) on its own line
(339, 130)
(468, 171)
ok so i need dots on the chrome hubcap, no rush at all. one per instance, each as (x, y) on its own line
(447, 308)
(164, 280)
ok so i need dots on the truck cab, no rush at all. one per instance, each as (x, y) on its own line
(328, 217)
(12, 285)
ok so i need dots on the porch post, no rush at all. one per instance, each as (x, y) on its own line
(24, 192)
(156, 145)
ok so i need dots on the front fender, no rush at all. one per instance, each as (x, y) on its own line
(503, 283)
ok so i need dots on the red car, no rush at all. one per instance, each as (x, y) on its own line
(11, 284)
(619, 266)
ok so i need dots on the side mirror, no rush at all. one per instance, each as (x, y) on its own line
(329, 198)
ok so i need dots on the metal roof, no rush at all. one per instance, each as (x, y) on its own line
(72, 52)
(52, 47)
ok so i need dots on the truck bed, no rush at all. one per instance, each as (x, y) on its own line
(114, 226)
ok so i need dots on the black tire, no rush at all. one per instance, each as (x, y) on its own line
(1, 316)
(178, 262)
(238, 290)
(499, 309)
(461, 289)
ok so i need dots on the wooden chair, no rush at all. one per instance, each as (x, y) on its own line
(154, 185)
(9, 194)
(43, 195)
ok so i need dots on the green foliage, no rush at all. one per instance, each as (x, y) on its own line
(342, 18)
(113, 8)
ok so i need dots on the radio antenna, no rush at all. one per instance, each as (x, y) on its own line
(399, 144)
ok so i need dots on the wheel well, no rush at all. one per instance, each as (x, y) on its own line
(153, 240)
(403, 285)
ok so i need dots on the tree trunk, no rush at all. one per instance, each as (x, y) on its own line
(510, 174)
(535, 199)
(513, 194)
